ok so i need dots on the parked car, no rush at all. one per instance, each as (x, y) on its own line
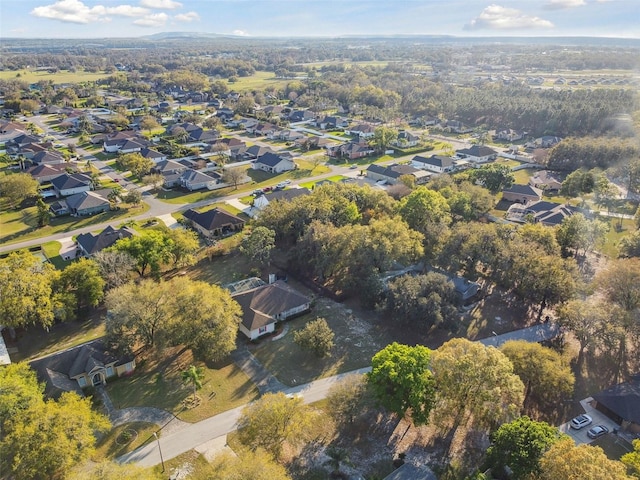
(353, 166)
(581, 421)
(597, 431)
(267, 189)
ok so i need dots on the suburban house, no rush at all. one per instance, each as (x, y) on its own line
(509, 135)
(170, 171)
(255, 151)
(214, 223)
(47, 157)
(153, 155)
(547, 181)
(363, 130)
(81, 204)
(301, 116)
(265, 305)
(434, 163)
(262, 129)
(89, 244)
(262, 201)
(406, 139)
(464, 287)
(70, 184)
(312, 143)
(392, 173)
(194, 180)
(45, 173)
(456, 126)
(131, 146)
(522, 194)
(351, 150)
(287, 135)
(331, 122)
(86, 365)
(546, 141)
(621, 403)
(273, 163)
(477, 154)
(546, 213)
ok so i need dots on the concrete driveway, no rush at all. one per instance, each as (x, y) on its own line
(599, 418)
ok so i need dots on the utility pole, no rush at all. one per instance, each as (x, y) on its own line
(160, 450)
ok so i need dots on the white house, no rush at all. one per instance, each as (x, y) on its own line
(273, 163)
(434, 163)
(477, 154)
(65, 184)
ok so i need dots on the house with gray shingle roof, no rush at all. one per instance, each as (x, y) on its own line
(47, 157)
(70, 184)
(273, 163)
(87, 203)
(194, 180)
(522, 194)
(86, 365)
(214, 223)
(392, 173)
(266, 305)
(45, 173)
(90, 244)
(477, 154)
(434, 163)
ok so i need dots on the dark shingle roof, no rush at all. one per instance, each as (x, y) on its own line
(84, 200)
(66, 181)
(477, 151)
(435, 160)
(262, 304)
(622, 399)
(270, 159)
(94, 243)
(213, 219)
(520, 189)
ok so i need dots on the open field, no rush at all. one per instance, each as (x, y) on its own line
(63, 76)
(157, 382)
(257, 81)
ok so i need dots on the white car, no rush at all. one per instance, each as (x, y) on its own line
(581, 421)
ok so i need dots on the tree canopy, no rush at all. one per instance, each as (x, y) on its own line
(520, 444)
(402, 382)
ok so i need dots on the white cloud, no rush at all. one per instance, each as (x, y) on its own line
(74, 11)
(560, 4)
(153, 20)
(126, 11)
(496, 17)
(240, 33)
(187, 17)
(161, 4)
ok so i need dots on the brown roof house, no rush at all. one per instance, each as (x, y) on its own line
(86, 365)
(214, 223)
(522, 194)
(547, 181)
(267, 304)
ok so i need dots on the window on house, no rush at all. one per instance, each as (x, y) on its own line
(262, 330)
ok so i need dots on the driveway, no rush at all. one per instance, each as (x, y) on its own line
(599, 418)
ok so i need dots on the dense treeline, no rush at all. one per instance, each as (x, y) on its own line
(591, 152)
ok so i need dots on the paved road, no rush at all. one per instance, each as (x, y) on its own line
(196, 434)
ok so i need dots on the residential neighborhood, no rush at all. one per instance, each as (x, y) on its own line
(410, 253)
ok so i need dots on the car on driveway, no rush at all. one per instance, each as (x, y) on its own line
(597, 431)
(581, 421)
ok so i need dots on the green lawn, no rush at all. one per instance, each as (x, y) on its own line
(257, 81)
(36, 342)
(21, 225)
(62, 76)
(182, 197)
(52, 252)
(115, 443)
(158, 383)
(615, 234)
(356, 342)
(221, 270)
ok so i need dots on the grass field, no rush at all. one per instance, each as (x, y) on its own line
(21, 225)
(157, 382)
(257, 81)
(62, 76)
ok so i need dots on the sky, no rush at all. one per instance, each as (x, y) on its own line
(321, 18)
